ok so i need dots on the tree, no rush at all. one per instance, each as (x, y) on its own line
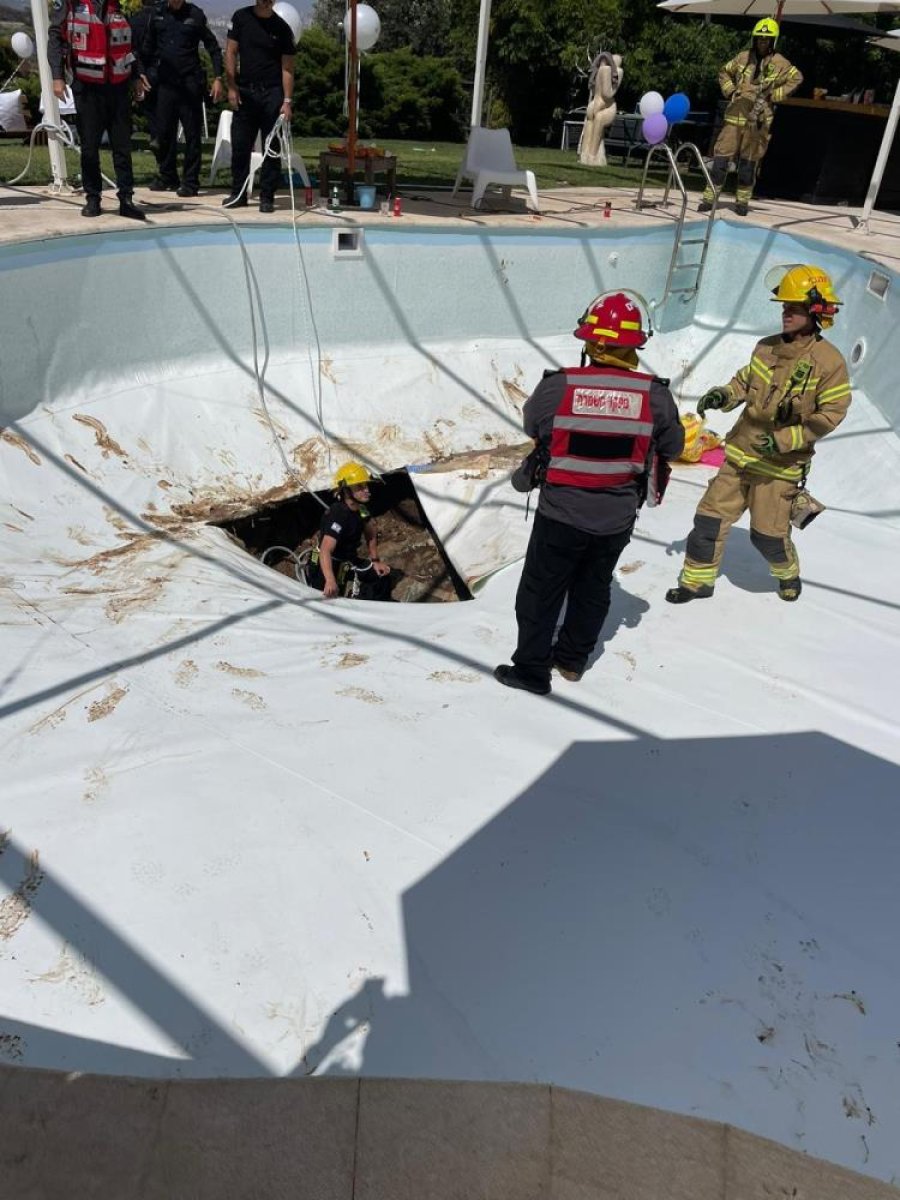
(402, 94)
(422, 25)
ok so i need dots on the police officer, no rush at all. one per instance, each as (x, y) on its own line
(794, 390)
(609, 431)
(259, 91)
(336, 565)
(139, 21)
(93, 37)
(170, 58)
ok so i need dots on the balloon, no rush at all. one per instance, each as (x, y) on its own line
(22, 45)
(651, 103)
(655, 128)
(368, 26)
(289, 15)
(676, 108)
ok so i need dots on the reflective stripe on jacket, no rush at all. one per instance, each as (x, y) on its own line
(602, 429)
(753, 87)
(797, 391)
(100, 45)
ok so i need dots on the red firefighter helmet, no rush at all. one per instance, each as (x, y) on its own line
(617, 318)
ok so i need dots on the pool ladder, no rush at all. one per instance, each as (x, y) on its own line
(690, 150)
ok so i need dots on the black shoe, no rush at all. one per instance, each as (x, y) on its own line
(234, 201)
(127, 209)
(789, 589)
(266, 204)
(681, 595)
(569, 673)
(92, 207)
(741, 210)
(162, 185)
(510, 677)
(704, 206)
(184, 190)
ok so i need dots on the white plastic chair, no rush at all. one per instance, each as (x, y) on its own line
(222, 155)
(12, 114)
(489, 159)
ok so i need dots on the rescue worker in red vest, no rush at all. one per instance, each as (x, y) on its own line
(603, 425)
(795, 390)
(93, 39)
(336, 567)
(753, 82)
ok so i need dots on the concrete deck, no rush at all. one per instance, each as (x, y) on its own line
(29, 214)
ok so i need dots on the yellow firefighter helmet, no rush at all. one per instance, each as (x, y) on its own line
(803, 283)
(766, 28)
(351, 474)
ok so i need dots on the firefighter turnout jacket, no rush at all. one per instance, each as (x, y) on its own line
(798, 391)
(753, 86)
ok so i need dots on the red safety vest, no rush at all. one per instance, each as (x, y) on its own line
(602, 429)
(101, 48)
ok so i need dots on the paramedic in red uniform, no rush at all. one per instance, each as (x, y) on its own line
(93, 38)
(608, 432)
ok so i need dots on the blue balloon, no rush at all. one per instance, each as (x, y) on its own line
(676, 108)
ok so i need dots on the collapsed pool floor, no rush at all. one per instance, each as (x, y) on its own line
(420, 569)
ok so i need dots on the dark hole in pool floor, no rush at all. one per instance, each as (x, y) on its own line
(406, 540)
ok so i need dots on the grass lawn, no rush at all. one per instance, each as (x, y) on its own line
(432, 164)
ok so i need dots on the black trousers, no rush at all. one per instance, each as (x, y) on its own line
(257, 114)
(371, 586)
(104, 108)
(563, 563)
(180, 102)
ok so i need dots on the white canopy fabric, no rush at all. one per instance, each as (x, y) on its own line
(764, 8)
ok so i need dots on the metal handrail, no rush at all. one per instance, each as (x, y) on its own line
(675, 174)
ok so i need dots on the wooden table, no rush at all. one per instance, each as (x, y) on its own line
(331, 164)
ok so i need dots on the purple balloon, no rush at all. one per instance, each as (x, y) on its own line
(655, 128)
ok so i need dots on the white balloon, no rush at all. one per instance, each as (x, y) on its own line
(368, 26)
(22, 45)
(650, 103)
(289, 15)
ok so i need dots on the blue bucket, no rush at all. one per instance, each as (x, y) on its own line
(365, 195)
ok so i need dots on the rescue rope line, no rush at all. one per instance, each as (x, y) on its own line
(61, 133)
(278, 131)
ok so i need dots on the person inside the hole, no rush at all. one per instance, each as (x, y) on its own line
(607, 432)
(336, 567)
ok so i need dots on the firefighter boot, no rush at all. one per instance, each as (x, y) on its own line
(681, 594)
(790, 589)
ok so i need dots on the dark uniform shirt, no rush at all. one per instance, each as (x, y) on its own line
(346, 527)
(170, 48)
(262, 43)
(598, 510)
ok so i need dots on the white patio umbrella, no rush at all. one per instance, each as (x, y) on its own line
(890, 41)
(484, 21)
(764, 8)
(49, 103)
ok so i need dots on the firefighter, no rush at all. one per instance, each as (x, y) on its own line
(336, 567)
(753, 82)
(94, 37)
(795, 390)
(604, 426)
